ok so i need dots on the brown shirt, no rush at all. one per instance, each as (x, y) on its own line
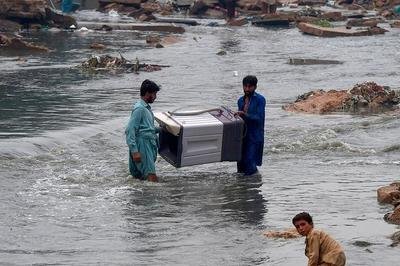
(322, 249)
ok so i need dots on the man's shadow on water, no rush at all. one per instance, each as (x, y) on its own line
(244, 201)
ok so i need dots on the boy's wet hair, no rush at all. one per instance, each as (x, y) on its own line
(148, 86)
(250, 80)
(302, 216)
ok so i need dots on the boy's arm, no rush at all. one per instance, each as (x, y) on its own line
(313, 249)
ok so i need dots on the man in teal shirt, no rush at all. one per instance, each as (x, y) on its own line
(141, 134)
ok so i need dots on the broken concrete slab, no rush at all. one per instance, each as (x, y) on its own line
(9, 26)
(271, 22)
(237, 21)
(185, 21)
(315, 30)
(135, 3)
(306, 61)
(160, 27)
(372, 22)
(395, 24)
(14, 44)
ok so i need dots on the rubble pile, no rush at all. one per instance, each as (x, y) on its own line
(367, 96)
(107, 62)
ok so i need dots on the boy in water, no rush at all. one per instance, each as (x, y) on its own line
(321, 249)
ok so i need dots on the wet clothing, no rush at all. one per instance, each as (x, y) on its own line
(253, 142)
(141, 136)
(323, 250)
(68, 6)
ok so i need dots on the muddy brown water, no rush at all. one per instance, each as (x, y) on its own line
(65, 193)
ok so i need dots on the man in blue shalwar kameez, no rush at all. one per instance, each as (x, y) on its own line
(141, 134)
(252, 109)
(68, 6)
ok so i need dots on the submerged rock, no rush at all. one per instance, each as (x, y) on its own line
(98, 46)
(363, 244)
(363, 97)
(395, 238)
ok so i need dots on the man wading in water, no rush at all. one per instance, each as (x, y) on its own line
(252, 109)
(141, 134)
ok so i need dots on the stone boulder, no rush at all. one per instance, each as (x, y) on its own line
(23, 10)
(29, 12)
(389, 194)
(393, 217)
(363, 97)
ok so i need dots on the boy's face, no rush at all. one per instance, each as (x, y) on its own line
(303, 227)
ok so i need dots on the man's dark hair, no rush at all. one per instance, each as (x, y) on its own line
(303, 216)
(250, 80)
(148, 86)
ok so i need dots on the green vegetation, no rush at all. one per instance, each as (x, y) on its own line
(323, 23)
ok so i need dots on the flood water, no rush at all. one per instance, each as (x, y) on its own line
(66, 197)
